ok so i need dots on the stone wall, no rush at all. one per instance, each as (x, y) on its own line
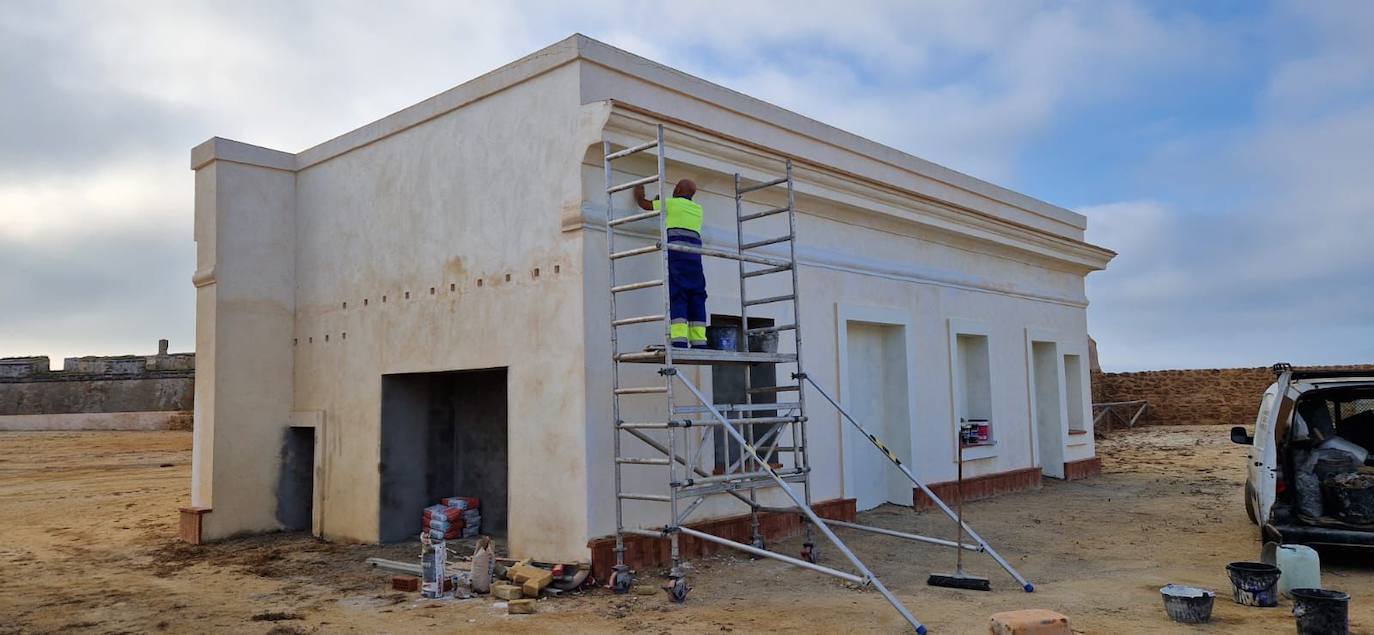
(1221, 396)
(135, 392)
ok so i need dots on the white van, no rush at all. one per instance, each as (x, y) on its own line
(1311, 467)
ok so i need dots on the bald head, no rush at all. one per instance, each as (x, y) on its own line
(685, 188)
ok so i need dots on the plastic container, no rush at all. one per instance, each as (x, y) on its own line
(1186, 604)
(722, 338)
(1321, 611)
(1254, 583)
(1299, 567)
(432, 566)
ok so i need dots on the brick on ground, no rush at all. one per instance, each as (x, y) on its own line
(506, 591)
(1030, 622)
(520, 607)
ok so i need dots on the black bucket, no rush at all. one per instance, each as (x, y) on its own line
(1321, 611)
(1254, 583)
(723, 338)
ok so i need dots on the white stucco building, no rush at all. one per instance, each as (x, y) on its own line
(418, 308)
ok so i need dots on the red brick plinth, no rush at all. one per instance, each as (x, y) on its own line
(191, 518)
(1079, 470)
(643, 553)
(980, 487)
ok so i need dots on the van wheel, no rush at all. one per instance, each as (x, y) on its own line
(1250, 502)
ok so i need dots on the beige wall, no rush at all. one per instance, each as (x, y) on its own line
(245, 299)
(476, 194)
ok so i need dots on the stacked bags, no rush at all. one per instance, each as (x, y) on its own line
(454, 517)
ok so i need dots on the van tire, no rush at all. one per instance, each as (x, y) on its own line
(1250, 502)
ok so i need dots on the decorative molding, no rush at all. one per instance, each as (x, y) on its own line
(595, 220)
(756, 112)
(862, 196)
(203, 277)
(221, 149)
(853, 445)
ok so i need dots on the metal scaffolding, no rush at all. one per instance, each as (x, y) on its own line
(771, 435)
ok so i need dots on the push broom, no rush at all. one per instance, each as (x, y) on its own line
(959, 579)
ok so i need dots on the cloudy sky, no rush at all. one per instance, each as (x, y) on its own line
(1223, 148)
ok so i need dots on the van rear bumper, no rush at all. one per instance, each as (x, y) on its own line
(1311, 535)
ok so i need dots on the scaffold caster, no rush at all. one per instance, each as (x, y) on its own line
(677, 590)
(756, 543)
(809, 552)
(621, 581)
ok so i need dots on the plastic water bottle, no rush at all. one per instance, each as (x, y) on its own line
(1300, 568)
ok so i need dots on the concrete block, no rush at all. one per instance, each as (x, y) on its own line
(506, 591)
(1030, 622)
(405, 583)
(534, 585)
(521, 607)
(646, 589)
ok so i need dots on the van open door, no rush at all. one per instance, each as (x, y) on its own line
(1263, 464)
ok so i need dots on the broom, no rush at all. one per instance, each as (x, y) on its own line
(959, 579)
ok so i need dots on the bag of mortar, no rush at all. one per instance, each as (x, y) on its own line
(483, 565)
(437, 512)
(462, 502)
(442, 525)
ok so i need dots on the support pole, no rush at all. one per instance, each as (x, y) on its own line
(1027, 586)
(810, 513)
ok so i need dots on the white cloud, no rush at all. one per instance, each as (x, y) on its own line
(106, 99)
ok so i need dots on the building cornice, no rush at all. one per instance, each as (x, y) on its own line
(907, 212)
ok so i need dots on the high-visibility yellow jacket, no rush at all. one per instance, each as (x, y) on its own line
(683, 213)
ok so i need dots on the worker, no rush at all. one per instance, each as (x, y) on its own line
(686, 280)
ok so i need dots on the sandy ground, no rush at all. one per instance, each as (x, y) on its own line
(88, 528)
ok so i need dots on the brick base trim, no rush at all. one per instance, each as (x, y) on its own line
(1086, 468)
(980, 487)
(643, 553)
(191, 519)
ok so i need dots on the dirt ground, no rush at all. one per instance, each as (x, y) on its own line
(88, 544)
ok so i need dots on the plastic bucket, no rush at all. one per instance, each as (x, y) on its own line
(722, 338)
(1186, 604)
(1254, 583)
(1321, 611)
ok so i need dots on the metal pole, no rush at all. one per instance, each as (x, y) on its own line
(798, 428)
(810, 513)
(668, 369)
(764, 553)
(615, 367)
(936, 499)
(755, 536)
(898, 534)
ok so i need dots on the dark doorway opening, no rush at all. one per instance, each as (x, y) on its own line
(296, 484)
(443, 434)
(727, 385)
